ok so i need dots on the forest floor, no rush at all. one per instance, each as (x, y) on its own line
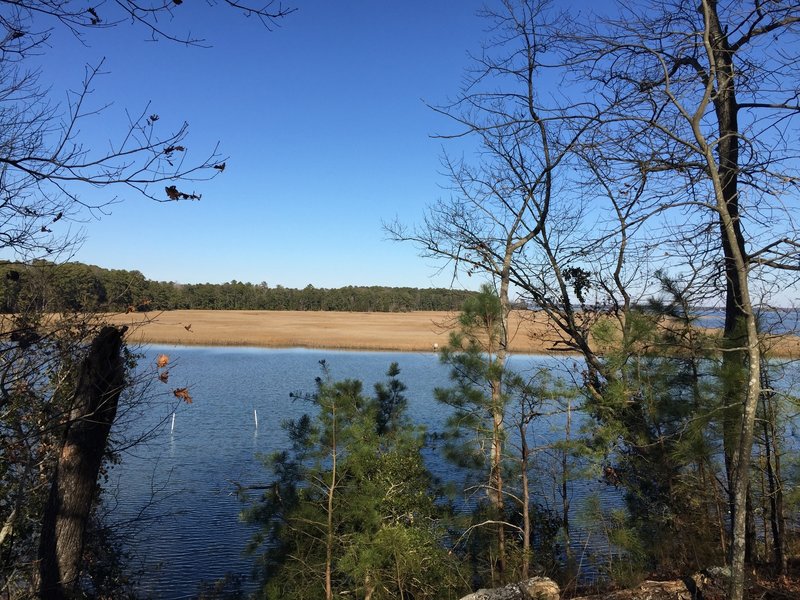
(422, 331)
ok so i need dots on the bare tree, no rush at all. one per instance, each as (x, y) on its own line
(666, 146)
(44, 164)
(694, 92)
(100, 383)
(501, 206)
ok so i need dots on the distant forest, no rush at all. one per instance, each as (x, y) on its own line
(42, 285)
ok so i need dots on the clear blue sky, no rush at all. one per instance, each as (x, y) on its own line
(325, 125)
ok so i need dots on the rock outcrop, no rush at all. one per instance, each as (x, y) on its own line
(710, 584)
(648, 590)
(535, 588)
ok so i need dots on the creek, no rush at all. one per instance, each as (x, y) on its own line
(173, 494)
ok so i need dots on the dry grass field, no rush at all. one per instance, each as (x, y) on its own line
(414, 331)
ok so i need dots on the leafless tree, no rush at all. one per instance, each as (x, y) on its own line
(503, 205)
(667, 144)
(698, 93)
(44, 164)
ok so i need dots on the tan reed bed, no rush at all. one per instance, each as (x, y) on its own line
(410, 332)
(413, 331)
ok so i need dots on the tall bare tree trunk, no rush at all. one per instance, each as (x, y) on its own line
(498, 416)
(735, 336)
(496, 482)
(741, 331)
(72, 493)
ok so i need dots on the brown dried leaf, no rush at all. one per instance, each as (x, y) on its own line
(183, 394)
(172, 192)
(162, 361)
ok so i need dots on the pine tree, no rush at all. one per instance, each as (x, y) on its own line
(493, 408)
(350, 510)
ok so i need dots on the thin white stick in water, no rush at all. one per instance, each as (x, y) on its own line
(172, 429)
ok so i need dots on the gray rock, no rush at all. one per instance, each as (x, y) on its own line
(718, 573)
(535, 588)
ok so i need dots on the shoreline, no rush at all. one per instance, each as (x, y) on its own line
(422, 331)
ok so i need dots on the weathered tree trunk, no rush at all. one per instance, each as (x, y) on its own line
(735, 336)
(496, 485)
(72, 493)
(498, 416)
(741, 332)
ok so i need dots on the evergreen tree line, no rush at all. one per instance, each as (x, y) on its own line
(47, 286)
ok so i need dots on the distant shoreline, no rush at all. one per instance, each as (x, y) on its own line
(421, 331)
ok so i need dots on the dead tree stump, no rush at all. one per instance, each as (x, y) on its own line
(94, 407)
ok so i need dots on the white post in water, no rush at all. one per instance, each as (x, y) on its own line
(172, 429)
(255, 416)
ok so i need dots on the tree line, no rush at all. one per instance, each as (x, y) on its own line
(46, 286)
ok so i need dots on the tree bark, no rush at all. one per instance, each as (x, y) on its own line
(527, 554)
(496, 477)
(741, 332)
(94, 407)
(726, 110)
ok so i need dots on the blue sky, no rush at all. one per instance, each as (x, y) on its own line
(323, 120)
(324, 124)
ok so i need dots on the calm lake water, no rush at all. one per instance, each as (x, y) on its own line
(178, 486)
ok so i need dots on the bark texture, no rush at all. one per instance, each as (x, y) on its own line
(72, 493)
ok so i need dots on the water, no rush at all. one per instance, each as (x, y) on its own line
(775, 321)
(179, 486)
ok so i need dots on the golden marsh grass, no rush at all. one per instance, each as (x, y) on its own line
(410, 332)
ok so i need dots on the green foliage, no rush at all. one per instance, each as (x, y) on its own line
(352, 490)
(79, 287)
(659, 418)
(477, 375)
(623, 556)
(493, 409)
